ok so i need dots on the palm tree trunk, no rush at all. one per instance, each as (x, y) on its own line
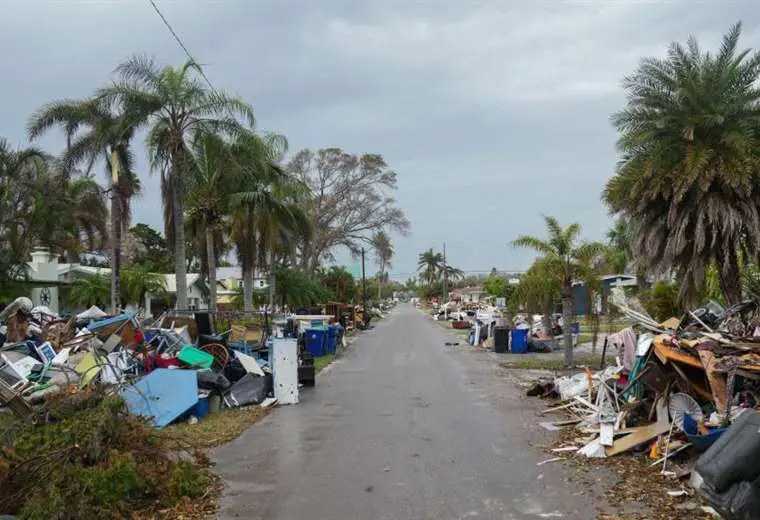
(115, 236)
(271, 281)
(179, 233)
(567, 320)
(730, 279)
(248, 288)
(380, 286)
(211, 258)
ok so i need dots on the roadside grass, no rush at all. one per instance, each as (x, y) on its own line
(552, 362)
(321, 362)
(214, 430)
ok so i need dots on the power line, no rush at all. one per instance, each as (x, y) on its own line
(181, 43)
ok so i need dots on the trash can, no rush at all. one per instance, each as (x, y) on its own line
(501, 339)
(316, 341)
(332, 338)
(519, 341)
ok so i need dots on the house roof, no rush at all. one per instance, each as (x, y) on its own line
(170, 281)
(223, 273)
(464, 290)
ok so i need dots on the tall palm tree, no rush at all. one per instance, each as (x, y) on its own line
(567, 259)
(18, 182)
(430, 264)
(17, 185)
(690, 150)
(210, 181)
(66, 214)
(95, 130)
(174, 103)
(451, 272)
(265, 209)
(384, 252)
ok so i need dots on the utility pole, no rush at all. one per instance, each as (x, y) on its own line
(364, 291)
(445, 284)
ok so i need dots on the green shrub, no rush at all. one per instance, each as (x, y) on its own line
(92, 460)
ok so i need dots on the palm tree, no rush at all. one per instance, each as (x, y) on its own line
(689, 140)
(90, 290)
(18, 182)
(430, 264)
(451, 273)
(65, 214)
(210, 182)
(384, 252)
(174, 103)
(95, 130)
(139, 281)
(265, 211)
(567, 260)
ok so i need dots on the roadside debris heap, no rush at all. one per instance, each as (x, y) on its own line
(89, 391)
(681, 389)
(167, 369)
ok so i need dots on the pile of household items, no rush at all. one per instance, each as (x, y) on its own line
(681, 389)
(168, 369)
(521, 335)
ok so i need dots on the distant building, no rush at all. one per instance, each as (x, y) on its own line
(51, 281)
(581, 296)
(468, 294)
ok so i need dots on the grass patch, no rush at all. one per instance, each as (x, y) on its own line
(550, 362)
(322, 361)
(214, 430)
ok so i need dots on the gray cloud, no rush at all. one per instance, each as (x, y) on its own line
(493, 113)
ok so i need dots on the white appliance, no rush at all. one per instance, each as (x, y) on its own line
(285, 370)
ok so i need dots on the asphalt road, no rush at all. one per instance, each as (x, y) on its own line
(402, 427)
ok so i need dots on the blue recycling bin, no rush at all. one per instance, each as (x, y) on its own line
(316, 341)
(519, 341)
(332, 338)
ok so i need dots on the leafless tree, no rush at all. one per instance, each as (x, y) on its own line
(351, 200)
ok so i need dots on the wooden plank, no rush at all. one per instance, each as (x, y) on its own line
(638, 436)
(693, 386)
(556, 408)
(666, 354)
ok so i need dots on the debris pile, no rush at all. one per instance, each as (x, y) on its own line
(88, 392)
(169, 369)
(681, 390)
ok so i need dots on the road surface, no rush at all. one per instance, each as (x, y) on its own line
(402, 427)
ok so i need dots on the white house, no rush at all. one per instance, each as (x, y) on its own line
(468, 294)
(55, 278)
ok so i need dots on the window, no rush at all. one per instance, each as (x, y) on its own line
(192, 304)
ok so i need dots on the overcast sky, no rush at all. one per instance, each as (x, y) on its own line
(492, 112)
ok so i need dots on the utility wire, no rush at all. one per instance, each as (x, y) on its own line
(208, 81)
(181, 43)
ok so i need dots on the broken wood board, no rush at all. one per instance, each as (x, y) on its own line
(586, 403)
(556, 408)
(638, 436)
(567, 422)
(678, 449)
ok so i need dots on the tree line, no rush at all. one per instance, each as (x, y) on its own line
(224, 185)
(685, 192)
